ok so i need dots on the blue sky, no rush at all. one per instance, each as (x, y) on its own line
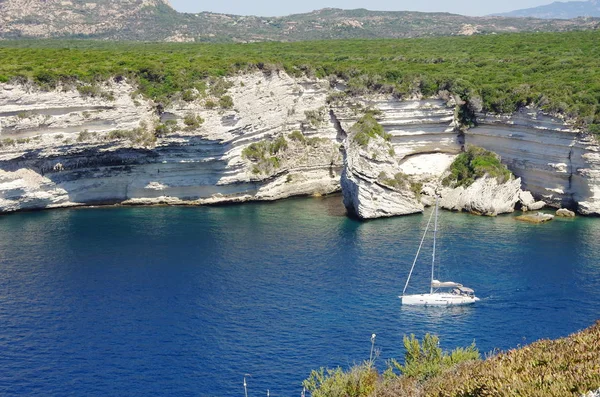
(278, 8)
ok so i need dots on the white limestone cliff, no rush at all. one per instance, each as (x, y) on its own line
(557, 163)
(62, 148)
(370, 186)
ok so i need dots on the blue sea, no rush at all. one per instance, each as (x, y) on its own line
(187, 301)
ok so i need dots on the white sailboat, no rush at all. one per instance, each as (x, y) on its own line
(447, 293)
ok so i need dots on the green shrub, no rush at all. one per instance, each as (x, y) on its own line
(359, 381)
(279, 144)
(89, 90)
(297, 136)
(473, 164)
(426, 359)
(366, 128)
(210, 104)
(316, 117)
(226, 102)
(263, 153)
(84, 135)
(8, 142)
(256, 151)
(219, 86)
(138, 136)
(188, 95)
(192, 122)
(166, 128)
(3, 78)
(562, 367)
(401, 181)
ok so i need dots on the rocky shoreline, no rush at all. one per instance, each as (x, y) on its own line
(278, 137)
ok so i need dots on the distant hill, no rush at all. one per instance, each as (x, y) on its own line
(156, 20)
(559, 10)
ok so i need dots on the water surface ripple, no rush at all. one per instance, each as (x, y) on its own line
(185, 301)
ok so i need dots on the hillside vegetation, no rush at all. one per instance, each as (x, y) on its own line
(156, 20)
(558, 72)
(563, 367)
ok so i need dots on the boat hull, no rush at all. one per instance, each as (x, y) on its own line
(438, 299)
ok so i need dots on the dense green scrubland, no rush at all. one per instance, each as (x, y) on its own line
(558, 72)
(564, 367)
(474, 163)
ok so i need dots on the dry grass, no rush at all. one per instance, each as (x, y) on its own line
(565, 367)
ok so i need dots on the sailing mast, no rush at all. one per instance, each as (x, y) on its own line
(434, 236)
(417, 256)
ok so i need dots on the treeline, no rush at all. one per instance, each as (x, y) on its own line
(558, 72)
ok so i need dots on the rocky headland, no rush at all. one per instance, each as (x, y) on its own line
(273, 136)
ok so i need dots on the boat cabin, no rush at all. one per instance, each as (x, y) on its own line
(463, 291)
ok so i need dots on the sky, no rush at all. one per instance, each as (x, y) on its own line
(271, 8)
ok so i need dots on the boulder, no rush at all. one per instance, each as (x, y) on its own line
(526, 198)
(484, 197)
(538, 217)
(538, 205)
(565, 213)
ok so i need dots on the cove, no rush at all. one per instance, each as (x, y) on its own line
(185, 301)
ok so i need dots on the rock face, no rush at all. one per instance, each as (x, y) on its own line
(484, 197)
(369, 184)
(65, 148)
(556, 163)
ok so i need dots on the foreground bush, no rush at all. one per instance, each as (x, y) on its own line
(422, 361)
(564, 367)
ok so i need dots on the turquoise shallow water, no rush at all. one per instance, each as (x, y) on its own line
(185, 301)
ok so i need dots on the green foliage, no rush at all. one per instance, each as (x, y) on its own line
(366, 128)
(192, 122)
(316, 117)
(166, 128)
(210, 104)
(264, 154)
(279, 144)
(85, 135)
(558, 72)
(256, 151)
(137, 136)
(4, 79)
(298, 136)
(219, 86)
(226, 102)
(8, 142)
(188, 95)
(473, 164)
(426, 359)
(360, 380)
(563, 367)
(89, 90)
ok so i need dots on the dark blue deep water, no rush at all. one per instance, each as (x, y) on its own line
(185, 301)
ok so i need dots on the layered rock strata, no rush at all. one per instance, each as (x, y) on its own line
(557, 163)
(61, 148)
(484, 197)
(65, 148)
(371, 183)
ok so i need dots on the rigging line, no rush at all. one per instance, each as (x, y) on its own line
(435, 227)
(418, 251)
